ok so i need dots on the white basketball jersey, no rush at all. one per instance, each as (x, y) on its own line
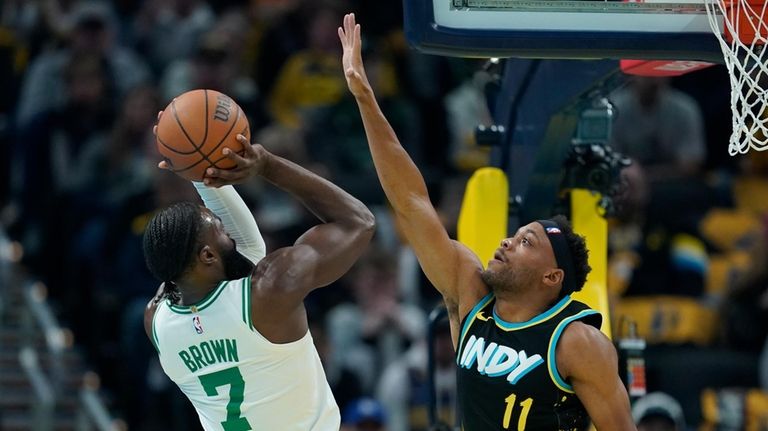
(236, 379)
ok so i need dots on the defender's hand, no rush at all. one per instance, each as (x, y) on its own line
(352, 59)
(251, 162)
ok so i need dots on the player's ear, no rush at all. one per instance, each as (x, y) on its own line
(206, 255)
(554, 277)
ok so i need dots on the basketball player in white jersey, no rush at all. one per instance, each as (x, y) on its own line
(228, 322)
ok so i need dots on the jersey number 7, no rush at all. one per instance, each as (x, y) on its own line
(233, 378)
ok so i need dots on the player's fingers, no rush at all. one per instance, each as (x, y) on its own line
(154, 130)
(347, 20)
(248, 151)
(242, 139)
(357, 37)
(159, 114)
(231, 155)
(221, 174)
(213, 182)
(163, 165)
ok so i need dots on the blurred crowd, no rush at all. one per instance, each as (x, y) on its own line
(81, 82)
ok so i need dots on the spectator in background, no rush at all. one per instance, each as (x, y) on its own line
(333, 137)
(658, 411)
(51, 149)
(364, 414)
(403, 388)
(13, 58)
(467, 108)
(283, 35)
(217, 64)
(169, 30)
(660, 128)
(377, 328)
(656, 238)
(121, 166)
(310, 79)
(91, 33)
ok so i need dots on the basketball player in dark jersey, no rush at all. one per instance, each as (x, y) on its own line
(529, 357)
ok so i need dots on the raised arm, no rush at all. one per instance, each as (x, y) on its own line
(234, 214)
(451, 267)
(319, 257)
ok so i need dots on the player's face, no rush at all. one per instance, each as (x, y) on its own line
(235, 265)
(520, 261)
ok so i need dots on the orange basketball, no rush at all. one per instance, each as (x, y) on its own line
(194, 130)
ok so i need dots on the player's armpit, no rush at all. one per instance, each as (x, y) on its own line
(587, 358)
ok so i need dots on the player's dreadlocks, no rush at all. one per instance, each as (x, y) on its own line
(579, 253)
(170, 243)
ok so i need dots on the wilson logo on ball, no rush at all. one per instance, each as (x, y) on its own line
(223, 105)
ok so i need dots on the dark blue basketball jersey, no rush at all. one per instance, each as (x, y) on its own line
(507, 372)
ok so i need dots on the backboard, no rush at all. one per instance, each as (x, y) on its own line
(563, 29)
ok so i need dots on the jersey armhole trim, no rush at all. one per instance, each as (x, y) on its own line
(554, 374)
(246, 303)
(470, 319)
(155, 341)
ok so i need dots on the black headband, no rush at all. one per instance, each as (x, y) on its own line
(562, 252)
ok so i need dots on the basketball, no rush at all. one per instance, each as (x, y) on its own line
(194, 130)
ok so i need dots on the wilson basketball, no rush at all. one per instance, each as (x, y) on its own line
(194, 130)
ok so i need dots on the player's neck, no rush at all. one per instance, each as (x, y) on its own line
(193, 291)
(521, 308)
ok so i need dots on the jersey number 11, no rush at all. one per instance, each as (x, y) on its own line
(525, 409)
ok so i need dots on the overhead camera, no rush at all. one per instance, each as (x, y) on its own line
(592, 164)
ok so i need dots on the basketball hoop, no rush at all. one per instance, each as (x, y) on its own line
(742, 38)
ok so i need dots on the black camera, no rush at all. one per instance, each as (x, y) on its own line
(591, 163)
(594, 166)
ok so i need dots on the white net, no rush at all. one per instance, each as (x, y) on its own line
(746, 63)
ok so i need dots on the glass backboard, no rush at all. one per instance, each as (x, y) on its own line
(566, 29)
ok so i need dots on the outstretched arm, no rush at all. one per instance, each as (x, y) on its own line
(448, 264)
(319, 257)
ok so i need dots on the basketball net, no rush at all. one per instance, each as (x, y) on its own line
(742, 39)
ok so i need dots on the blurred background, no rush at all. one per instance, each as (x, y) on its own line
(80, 86)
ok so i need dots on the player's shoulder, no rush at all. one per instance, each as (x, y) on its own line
(471, 288)
(582, 334)
(584, 352)
(583, 343)
(281, 270)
